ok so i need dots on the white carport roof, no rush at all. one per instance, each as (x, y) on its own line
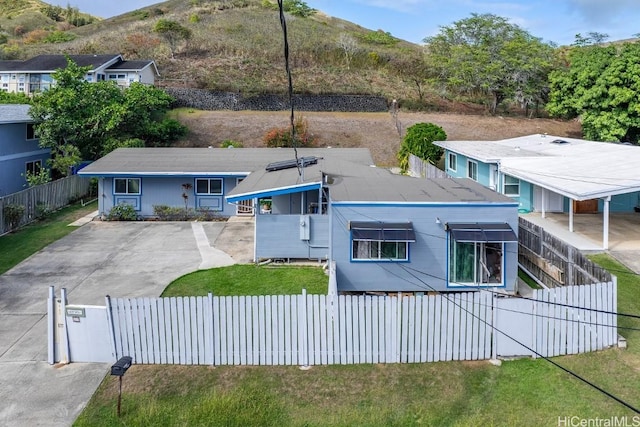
(576, 168)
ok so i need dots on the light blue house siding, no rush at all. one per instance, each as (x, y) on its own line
(146, 191)
(18, 154)
(293, 228)
(427, 266)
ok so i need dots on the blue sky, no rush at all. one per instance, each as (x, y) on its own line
(413, 20)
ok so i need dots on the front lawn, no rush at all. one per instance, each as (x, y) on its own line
(21, 244)
(526, 392)
(249, 279)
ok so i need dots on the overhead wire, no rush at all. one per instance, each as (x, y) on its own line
(283, 25)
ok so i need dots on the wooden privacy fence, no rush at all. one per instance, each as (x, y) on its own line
(423, 169)
(36, 201)
(553, 261)
(331, 329)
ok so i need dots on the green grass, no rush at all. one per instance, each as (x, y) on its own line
(526, 392)
(17, 246)
(249, 279)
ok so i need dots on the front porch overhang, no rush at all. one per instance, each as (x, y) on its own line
(274, 192)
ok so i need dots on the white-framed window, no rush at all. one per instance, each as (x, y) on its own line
(475, 263)
(379, 241)
(209, 186)
(33, 167)
(126, 186)
(472, 170)
(511, 186)
(476, 253)
(453, 162)
(379, 250)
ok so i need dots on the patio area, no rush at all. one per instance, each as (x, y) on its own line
(624, 233)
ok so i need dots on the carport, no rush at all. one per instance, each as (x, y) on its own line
(590, 176)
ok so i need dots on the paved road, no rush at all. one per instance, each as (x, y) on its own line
(124, 259)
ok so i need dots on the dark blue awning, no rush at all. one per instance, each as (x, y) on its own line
(383, 231)
(482, 232)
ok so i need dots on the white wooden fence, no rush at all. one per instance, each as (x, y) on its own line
(330, 329)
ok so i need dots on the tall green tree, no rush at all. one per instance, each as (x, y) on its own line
(80, 120)
(486, 55)
(419, 141)
(601, 86)
(172, 32)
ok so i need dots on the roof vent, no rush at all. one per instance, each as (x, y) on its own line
(293, 163)
(559, 141)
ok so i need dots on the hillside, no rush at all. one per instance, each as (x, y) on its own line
(237, 45)
(28, 22)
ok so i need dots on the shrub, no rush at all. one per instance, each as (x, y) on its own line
(59, 37)
(419, 141)
(174, 213)
(13, 214)
(42, 210)
(281, 137)
(230, 143)
(122, 212)
(380, 37)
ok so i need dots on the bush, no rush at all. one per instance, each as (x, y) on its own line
(174, 213)
(281, 137)
(419, 141)
(13, 214)
(122, 212)
(230, 143)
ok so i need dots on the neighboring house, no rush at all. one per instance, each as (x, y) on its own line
(19, 149)
(545, 173)
(382, 232)
(35, 74)
(376, 230)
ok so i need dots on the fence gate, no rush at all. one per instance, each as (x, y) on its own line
(514, 327)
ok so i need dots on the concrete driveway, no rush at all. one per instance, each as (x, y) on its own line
(121, 259)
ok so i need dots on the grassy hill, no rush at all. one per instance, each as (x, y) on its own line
(237, 45)
(26, 22)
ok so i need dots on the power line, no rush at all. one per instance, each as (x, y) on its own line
(591, 384)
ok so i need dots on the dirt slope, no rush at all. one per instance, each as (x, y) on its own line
(380, 132)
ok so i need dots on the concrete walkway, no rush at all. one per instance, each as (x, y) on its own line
(122, 259)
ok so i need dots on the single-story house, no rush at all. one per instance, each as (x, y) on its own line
(545, 173)
(377, 231)
(20, 151)
(384, 232)
(35, 74)
(144, 177)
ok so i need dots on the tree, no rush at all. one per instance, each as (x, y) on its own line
(601, 86)
(80, 120)
(349, 47)
(487, 55)
(419, 141)
(172, 32)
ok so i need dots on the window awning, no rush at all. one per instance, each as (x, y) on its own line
(383, 231)
(482, 232)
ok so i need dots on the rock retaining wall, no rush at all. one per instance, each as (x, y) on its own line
(203, 99)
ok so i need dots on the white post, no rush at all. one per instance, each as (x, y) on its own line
(543, 196)
(571, 215)
(605, 225)
(305, 335)
(64, 356)
(51, 322)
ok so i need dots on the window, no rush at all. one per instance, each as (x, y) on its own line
(472, 170)
(31, 133)
(453, 162)
(376, 241)
(209, 186)
(126, 186)
(511, 186)
(476, 253)
(33, 167)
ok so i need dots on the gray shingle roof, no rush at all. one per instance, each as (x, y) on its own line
(15, 113)
(207, 161)
(50, 63)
